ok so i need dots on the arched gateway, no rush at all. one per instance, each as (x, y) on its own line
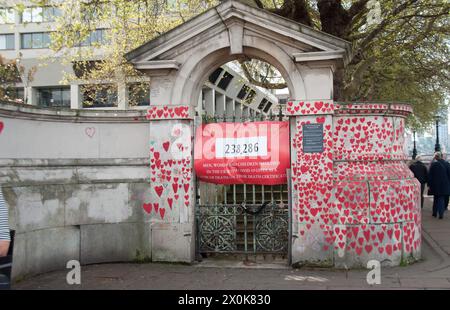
(352, 201)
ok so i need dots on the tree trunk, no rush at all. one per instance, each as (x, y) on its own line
(334, 18)
(297, 10)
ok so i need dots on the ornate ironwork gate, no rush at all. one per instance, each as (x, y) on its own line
(247, 219)
(241, 218)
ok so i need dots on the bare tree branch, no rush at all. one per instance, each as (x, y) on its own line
(253, 81)
(378, 29)
(357, 8)
(296, 10)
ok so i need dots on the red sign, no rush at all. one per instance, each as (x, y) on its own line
(242, 153)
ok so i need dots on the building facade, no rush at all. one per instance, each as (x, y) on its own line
(25, 37)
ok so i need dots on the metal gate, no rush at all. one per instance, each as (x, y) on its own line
(247, 219)
(241, 218)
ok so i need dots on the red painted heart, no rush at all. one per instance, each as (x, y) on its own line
(175, 186)
(166, 145)
(304, 169)
(159, 190)
(318, 104)
(147, 207)
(162, 212)
(178, 111)
(320, 120)
(2, 125)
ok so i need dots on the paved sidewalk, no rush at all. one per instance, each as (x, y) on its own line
(438, 230)
(433, 272)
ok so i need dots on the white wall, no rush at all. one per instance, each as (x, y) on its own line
(64, 137)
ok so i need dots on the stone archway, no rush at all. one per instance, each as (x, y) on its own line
(200, 68)
(178, 63)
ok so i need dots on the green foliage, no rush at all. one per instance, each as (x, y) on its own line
(9, 75)
(129, 24)
(406, 59)
(400, 49)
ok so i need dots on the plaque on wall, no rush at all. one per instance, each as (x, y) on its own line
(312, 138)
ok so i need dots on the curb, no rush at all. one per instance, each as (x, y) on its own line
(438, 250)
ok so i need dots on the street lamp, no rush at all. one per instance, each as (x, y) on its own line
(414, 153)
(437, 146)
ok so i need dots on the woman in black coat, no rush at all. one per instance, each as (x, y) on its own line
(420, 173)
(439, 183)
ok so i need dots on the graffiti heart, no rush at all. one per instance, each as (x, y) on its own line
(166, 112)
(2, 125)
(166, 145)
(89, 131)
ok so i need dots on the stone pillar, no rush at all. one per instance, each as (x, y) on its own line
(75, 97)
(30, 95)
(312, 182)
(170, 209)
(122, 96)
(376, 199)
(357, 200)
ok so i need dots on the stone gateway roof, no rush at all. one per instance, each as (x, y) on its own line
(315, 44)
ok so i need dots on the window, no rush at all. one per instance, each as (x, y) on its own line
(243, 92)
(262, 104)
(6, 16)
(54, 97)
(97, 36)
(35, 40)
(16, 94)
(99, 96)
(40, 14)
(225, 80)
(250, 96)
(139, 94)
(215, 75)
(50, 13)
(267, 107)
(6, 41)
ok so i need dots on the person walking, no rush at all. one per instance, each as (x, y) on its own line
(439, 183)
(420, 172)
(4, 227)
(446, 198)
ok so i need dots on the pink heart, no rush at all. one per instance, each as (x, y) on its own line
(90, 131)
